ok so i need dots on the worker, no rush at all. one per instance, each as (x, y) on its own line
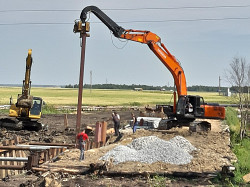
(11, 100)
(116, 119)
(82, 137)
(134, 123)
(189, 106)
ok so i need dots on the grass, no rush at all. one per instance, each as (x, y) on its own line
(94, 97)
(158, 181)
(240, 148)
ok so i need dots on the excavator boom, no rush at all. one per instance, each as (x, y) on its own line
(154, 43)
(116, 29)
(200, 109)
(25, 99)
(146, 37)
(26, 87)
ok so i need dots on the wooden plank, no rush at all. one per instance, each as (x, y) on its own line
(65, 122)
(13, 154)
(93, 145)
(46, 156)
(52, 153)
(52, 144)
(42, 157)
(2, 171)
(87, 145)
(3, 151)
(33, 161)
(63, 170)
(98, 145)
(16, 141)
(29, 164)
(11, 167)
(19, 153)
(7, 172)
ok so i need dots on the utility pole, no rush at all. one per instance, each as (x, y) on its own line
(219, 85)
(90, 81)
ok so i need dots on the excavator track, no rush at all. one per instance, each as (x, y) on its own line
(13, 124)
(200, 126)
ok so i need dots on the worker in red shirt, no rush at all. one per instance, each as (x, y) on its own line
(82, 137)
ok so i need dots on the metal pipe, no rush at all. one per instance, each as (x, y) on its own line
(79, 105)
(40, 146)
(17, 159)
(13, 148)
(27, 147)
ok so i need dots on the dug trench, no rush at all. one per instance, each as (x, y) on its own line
(211, 154)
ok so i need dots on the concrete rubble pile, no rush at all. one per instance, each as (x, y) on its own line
(152, 149)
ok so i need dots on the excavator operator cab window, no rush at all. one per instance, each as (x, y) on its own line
(199, 109)
(36, 108)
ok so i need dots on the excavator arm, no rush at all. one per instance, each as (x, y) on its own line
(26, 85)
(146, 37)
(116, 29)
(25, 100)
(154, 43)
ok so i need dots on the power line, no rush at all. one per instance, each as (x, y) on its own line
(126, 9)
(188, 7)
(138, 21)
(188, 20)
(34, 23)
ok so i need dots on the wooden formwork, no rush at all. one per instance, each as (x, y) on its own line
(16, 158)
(16, 165)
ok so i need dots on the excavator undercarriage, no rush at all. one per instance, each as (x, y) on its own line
(15, 124)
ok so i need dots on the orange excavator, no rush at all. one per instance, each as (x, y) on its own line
(188, 107)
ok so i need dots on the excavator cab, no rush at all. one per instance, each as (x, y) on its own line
(190, 107)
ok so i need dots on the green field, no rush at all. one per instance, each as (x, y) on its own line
(69, 96)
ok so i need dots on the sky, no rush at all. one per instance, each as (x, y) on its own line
(203, 35)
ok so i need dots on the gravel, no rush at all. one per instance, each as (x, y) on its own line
(152, 149)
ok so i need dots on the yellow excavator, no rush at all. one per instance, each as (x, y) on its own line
(28, 109)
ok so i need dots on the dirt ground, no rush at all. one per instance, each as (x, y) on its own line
(213, 152)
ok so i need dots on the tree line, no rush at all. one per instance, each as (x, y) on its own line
(197, 88)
